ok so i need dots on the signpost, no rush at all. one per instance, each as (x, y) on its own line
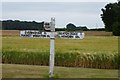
(48, 26)
(51, 26)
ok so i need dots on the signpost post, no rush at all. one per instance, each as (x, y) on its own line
(51, 27)
(52, 37)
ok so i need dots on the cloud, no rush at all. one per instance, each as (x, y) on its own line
(83, 13)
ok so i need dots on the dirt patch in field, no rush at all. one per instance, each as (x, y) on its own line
(0, 32)
(10, 32)
(98, 33)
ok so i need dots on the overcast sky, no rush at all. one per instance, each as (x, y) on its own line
(78, 13)
(58, 0)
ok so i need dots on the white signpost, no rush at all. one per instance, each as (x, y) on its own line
(48, 26)
(51, 26)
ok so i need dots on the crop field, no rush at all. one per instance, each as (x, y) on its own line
(91, 52)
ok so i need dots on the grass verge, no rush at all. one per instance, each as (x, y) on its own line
(32, 71)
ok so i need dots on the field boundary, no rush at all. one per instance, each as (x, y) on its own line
(87, 33)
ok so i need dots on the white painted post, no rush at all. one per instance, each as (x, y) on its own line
(52, 37)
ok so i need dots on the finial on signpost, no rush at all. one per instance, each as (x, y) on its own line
(52, 24)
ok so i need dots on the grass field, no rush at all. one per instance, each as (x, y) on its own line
(87, 45)
(99, 52)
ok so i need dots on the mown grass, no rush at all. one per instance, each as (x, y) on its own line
(30, 71)
(91, 52)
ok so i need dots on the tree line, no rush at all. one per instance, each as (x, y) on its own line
(27, 25)
(21, 25)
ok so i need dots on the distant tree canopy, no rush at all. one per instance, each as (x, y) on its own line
(21, 25)
(27, 25)
(111, 17)
(72, 27)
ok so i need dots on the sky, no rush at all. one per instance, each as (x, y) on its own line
(79, 13)
(58, 0)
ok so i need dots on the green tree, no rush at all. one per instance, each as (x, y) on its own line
(108, 16)
(111, 17)
(116, 28)
(70, 27)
